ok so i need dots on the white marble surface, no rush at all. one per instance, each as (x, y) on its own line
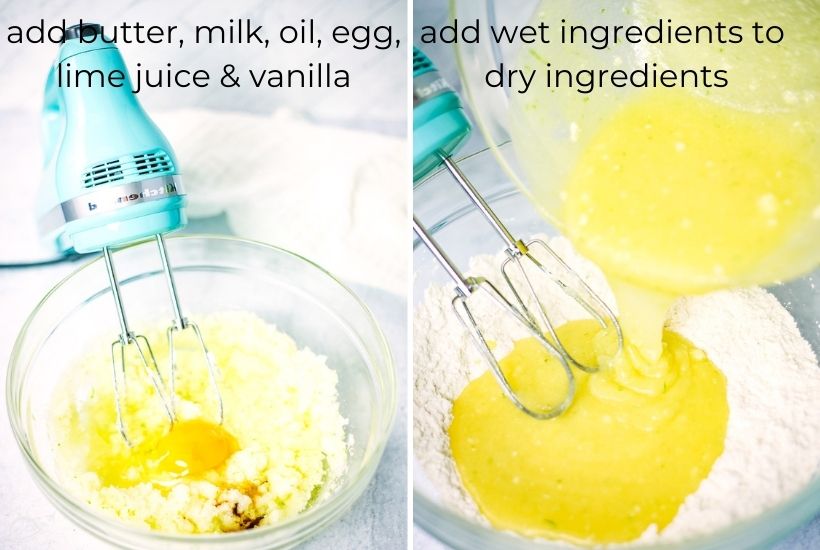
(28, 522)
(434, 12)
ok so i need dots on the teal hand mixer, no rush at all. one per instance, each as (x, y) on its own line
(111, 179)
(440, 127)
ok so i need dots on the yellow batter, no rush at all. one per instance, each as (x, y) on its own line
(282, 445)
(670, 192)
(623, 457)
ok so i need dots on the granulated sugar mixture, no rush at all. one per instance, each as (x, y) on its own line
(772, 446)
(283, 446)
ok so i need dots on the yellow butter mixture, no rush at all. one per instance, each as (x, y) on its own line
(282, 445)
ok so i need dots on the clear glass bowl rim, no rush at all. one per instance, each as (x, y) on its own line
(301, 526)
(450, 527)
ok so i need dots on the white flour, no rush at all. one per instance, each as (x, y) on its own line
(772, 446)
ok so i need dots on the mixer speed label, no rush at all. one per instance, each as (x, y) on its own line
(427, 86)
(106, 199)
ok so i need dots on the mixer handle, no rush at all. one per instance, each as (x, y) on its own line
(53, 117)
(440, 125)
(53, 106)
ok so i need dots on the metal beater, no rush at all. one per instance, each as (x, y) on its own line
(465, 287)
(439, 128)
(111, 179)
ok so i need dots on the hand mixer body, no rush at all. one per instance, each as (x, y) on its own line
(440, 125)
(111, 177)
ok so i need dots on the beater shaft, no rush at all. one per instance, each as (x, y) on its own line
(466, 287)
(462, 286)
(179, 319)
(125, 332)
(479, 202)
(181, 323)
(567, 280)
(143, 347)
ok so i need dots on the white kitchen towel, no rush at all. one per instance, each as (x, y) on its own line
(336, 196)
(21, 161)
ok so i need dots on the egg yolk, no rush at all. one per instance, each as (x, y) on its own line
(190, 449)
(193, 447)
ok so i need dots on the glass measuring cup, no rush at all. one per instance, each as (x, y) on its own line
(555, 126)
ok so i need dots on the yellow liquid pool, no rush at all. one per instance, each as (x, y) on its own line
(633, 445)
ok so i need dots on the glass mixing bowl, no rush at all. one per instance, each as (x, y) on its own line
(459, 228)
(213, 274)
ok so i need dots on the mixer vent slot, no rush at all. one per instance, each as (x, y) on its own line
(130, 167)
(420, 61)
